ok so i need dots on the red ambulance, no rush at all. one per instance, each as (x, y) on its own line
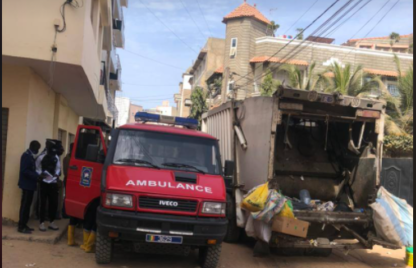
(160, 181)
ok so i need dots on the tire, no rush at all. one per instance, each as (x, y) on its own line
(233, 231)
(103, 249)
(209, 257)
(323, 252)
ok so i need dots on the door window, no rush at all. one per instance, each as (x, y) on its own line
(89, 146)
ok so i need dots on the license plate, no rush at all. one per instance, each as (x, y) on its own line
(164, 239)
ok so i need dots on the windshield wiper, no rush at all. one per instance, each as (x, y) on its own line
(137, 161)
(179, 165)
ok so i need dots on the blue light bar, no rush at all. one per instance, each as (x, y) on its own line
(164, 119)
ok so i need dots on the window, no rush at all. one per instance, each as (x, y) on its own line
(167, 151)
(230, 87)
(89, 145)
(393, 89)
(233, 49)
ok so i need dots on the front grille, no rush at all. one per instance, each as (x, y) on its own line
(161, 204)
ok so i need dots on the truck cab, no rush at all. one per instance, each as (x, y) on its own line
(160, 181)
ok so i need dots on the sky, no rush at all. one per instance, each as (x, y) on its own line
(161, 44)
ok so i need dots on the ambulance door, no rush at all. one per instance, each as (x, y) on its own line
(85, 169)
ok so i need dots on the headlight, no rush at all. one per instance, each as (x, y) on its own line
(213, 208)
(119, 200)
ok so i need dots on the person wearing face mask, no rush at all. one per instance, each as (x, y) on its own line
(28, 179)
(48, 165)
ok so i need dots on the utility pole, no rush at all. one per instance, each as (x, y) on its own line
(225, 85)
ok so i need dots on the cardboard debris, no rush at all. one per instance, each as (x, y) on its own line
(290, 226)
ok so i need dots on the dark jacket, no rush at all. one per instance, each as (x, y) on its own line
(28, 177)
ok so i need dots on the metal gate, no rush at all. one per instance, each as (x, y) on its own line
(4, 126)
(397, 177)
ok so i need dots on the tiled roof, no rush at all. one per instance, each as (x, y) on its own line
(278, 60)
(381, 72)
(220, 70)
(376, 38)
(245, 10)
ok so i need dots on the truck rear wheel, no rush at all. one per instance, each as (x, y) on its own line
(233, 231)
(209, 257)
(103, 249)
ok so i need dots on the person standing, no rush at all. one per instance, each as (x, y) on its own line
(28, 179)
(48, 165)
(65, 163)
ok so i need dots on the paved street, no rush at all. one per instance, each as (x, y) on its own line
(22, 253)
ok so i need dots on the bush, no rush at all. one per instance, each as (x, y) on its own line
(398, 146)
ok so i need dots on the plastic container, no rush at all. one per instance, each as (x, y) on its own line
(305, 197)
(409, 256)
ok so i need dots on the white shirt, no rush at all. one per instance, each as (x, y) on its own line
(57, 168)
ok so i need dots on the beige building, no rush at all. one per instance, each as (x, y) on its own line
(403, 45)
(164, 109)
(250, 51)
(133, 110)
(183, 98)
(54, 73)
(209, 59)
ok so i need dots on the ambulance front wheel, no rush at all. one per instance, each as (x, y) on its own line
(103, 249)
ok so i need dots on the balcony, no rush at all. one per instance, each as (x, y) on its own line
(118, 33)
(115, 77)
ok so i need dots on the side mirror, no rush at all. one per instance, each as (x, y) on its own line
(229, 168)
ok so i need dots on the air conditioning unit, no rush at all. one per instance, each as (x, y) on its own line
(233, 52)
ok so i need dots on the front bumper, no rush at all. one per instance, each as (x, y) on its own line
(134, 226)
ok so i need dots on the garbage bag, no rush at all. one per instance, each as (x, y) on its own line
(393, 218)
(274, 204)
(258, 229)
(256, 198)
(287, 211)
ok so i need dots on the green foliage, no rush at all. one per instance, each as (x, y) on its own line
(400, 119)
(273, 27)
(350, 81)
(269, 85)
(398, 146)
(199, 105)
(214, 86)
(394, 38)
(297, 79)
(300, 33)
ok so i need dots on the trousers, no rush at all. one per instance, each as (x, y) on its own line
(48, 194)
(27, 198)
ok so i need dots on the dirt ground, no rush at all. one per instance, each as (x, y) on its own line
(41, 255)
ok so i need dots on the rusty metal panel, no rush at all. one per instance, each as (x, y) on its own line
(255, 116)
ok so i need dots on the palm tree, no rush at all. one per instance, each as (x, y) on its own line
(300, 33)
(273, 27)
(298, 80)
(394, 38)
(199, 105)
(269, 85)
(400, 117)
(349, 81)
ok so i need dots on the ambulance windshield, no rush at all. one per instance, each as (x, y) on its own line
(167, 151)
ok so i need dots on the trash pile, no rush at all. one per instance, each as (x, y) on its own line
(270, 211)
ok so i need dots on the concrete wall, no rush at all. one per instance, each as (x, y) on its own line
(34, 114)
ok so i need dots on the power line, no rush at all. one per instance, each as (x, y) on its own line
(167, 27)
(189, 13)
(160, 62)
(313, 22)
(203, 15)
(342, 23)
(382, 18)
(285, 59)
(301, 16)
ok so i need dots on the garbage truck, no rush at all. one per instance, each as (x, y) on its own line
(330, 145)
(159, 187)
